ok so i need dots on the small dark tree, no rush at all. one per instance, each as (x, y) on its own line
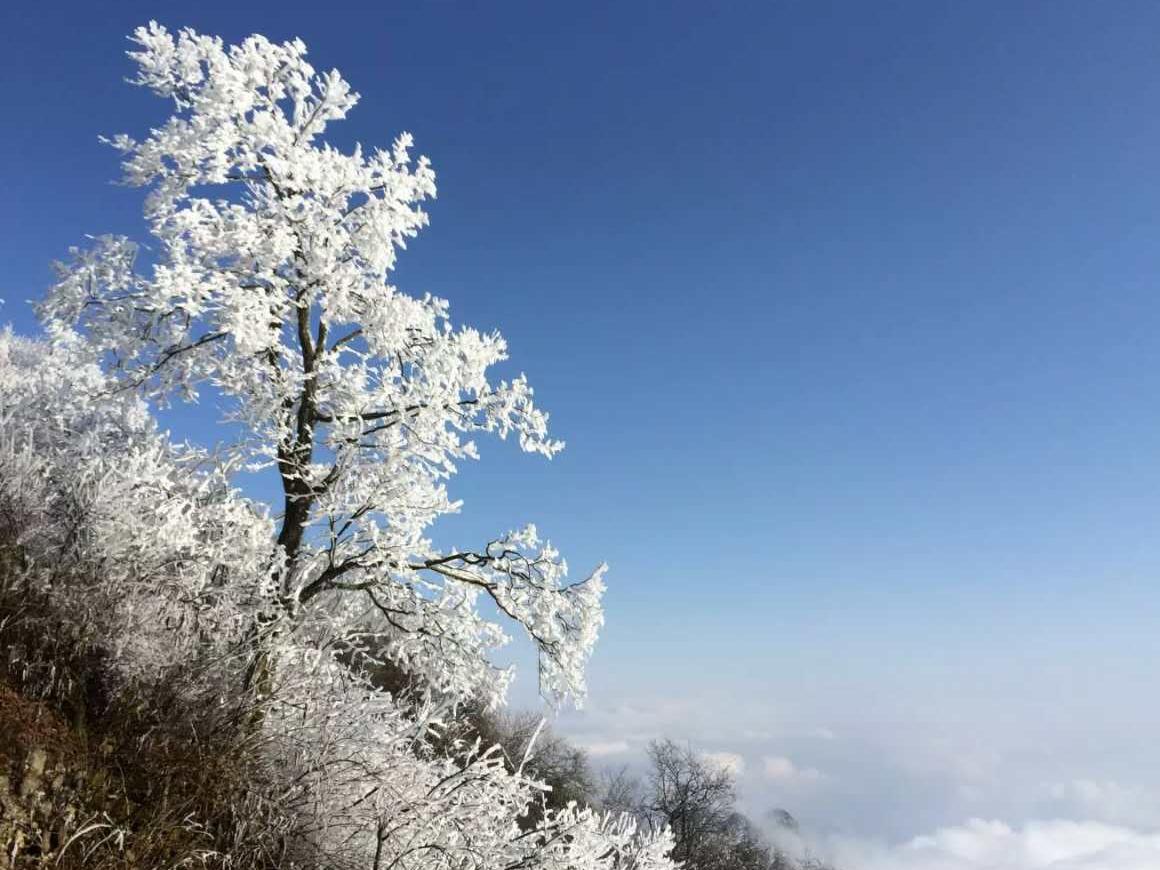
(696, 798)
(693, 797)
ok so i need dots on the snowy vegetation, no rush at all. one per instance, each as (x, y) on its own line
(320, 659)
(270, 289)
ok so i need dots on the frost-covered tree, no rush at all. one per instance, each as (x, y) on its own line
(270, 285)
(117, 542)
(267, 286)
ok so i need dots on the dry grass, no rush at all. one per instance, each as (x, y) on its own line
(95, 779)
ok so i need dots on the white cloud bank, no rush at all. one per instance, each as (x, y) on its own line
(994, 845)
(603, 748)
(1107, 801)
(728, 761)
(783, 770)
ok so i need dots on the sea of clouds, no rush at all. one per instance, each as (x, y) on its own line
(994, 845)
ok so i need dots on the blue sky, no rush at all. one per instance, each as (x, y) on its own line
(847, 312)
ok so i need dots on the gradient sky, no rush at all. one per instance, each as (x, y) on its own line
(848, 313)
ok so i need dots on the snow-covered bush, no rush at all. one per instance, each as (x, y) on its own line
(140, 542)
(268, 290)
(270, 286)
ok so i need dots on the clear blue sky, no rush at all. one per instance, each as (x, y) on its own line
(848, 313)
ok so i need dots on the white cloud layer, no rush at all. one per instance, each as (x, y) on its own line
(1107, 801)
(994, 845)
(729, 761)
(781, 769)
(602, 748)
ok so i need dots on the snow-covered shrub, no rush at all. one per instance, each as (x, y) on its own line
(140, 546)
(273, 294)
(144, 556)
(365, 780)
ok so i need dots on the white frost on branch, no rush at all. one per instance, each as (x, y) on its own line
(270, 283)
(143, 543)
(148, 557)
